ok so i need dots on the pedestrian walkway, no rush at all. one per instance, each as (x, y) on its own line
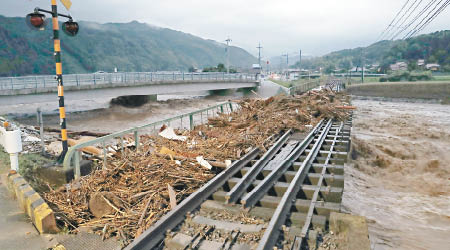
(16, 229)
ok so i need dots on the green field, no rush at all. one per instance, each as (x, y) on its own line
(289, 84)
(441, 78)
(439, 90)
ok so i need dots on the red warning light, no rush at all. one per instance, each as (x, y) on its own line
(70, 28)
(36, 21)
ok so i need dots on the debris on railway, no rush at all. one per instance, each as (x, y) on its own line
(132, 193)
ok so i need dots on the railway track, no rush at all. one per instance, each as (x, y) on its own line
(282, 198)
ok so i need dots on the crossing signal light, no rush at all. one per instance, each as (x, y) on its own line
(70, 28)
(36, 21)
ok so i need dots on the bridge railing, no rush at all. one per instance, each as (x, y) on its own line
(48, 81)
(185, 121)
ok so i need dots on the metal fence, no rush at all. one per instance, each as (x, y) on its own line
(301, 88)
(185, 121)
(48, 81)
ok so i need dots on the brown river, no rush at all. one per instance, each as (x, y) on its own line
(99, 115)
(400, 176)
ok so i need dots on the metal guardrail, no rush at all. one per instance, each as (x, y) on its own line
(304, 87)
(48, 81)
(73, 155)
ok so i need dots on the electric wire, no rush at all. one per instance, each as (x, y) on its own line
(427, 6)
(396, 24)
(442, 8)
(408, 35)
(400, 26)
(393, 20)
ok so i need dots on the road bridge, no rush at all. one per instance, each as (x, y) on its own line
(131, 83)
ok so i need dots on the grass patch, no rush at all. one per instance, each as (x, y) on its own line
(289, 84)
(441, 78)
(420, 90)
(282, 83)
(28, 163)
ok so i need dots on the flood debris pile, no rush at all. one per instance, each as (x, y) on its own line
(138, 187)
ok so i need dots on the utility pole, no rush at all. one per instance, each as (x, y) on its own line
(287, 64)
(300, 60)
(228, 55)
(362, 62)
(259, 54)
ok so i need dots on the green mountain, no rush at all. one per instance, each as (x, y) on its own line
(130, 46)
(433, 47)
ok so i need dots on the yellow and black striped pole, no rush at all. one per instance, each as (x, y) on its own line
(59, 78)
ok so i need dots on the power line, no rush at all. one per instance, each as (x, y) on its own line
(442, 8)
(396, 26)
(404, 20)
(415, 18)
(414, 30)
(389, 26)
(422, 21)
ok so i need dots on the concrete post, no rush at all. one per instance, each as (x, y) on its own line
(41, 129)
(136, 140)
(191, 122)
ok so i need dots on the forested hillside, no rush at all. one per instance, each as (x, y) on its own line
(434, 48)
(128, 46)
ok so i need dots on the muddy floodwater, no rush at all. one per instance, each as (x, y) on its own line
(399, 177)
(99, 115)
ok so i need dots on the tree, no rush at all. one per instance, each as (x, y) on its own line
(329, 68)
(412, 65)
(221, 67)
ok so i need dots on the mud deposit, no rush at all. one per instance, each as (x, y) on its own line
(399, 176)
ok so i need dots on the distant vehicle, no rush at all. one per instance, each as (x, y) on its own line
(99, 72)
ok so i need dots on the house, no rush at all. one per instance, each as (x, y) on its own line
(421, 62)
(256, 66)
(433, 66)
(295, 74)
(357, 69)
(399, 66)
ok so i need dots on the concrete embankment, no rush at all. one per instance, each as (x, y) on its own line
(420, 90)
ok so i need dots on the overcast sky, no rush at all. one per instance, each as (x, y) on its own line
(315, 26)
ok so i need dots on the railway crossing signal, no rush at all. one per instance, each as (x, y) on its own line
(38, 21)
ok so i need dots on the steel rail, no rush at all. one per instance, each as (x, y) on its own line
(155, 234)
(263, 187)
(239, 189)
(312, 205)
(271, 234)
